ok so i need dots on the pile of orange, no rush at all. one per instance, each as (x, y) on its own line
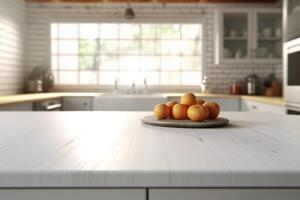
(189, 107)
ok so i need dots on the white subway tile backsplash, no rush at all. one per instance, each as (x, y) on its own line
(12, 46)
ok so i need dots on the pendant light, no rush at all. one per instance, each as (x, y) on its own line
(129, 12)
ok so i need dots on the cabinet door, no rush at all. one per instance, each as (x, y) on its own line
(224, 194)
(17, 107)
(72, 194)
(267, 36)
(233, 36)
(77, 103)
(253, 106)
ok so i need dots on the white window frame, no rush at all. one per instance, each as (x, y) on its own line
(120, 21)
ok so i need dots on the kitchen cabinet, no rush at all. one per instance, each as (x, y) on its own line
(226, 104)
(74, 194)
(17, 107)
(127, 102)
(248, 36)
(291, 15)
(224, 194)
(78, 103)
(254, 106)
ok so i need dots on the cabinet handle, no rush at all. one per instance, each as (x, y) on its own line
(254, 107)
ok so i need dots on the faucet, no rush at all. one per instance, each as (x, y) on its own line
(146, 89)
(133, 88)
(116, 85)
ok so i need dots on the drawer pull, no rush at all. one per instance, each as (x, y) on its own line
(254, 107)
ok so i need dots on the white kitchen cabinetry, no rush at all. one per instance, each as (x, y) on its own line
(226, 104)
(17, 107)
(127, 102)
(248, 36)
(78, 103)
(254, 106)
(224, 194)
(73, 194)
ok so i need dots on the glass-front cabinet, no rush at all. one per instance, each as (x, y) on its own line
(268, 30)
(291, 19)
(248, 36)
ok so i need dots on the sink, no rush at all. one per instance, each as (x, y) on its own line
(127, 102)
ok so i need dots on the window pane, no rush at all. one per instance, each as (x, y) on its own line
(89, 46)
(170, 78)
(68, 47)
(129, 47)
(129, 31)
(54, 47)
(55, 74)
(88, 77)
(170, 63)
(191, 31)
(191, 47)
(169, 31)
(127, 77)
(68, 31)
(68, 77)
(191, 62)
(148, 31)
(68, 62)
(109, 47)
(108, 77)
(129, 62)
(54, 31)
(89, 31)
(149, 63)
(152, 77)
(109, 31)
(191, 78)
(149, 47)
(170, 47)
(54, 62)
(89, 62)
(109, 62)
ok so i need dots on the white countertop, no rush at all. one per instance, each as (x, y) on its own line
(114, 149)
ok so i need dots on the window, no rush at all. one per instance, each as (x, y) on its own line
(92, 53)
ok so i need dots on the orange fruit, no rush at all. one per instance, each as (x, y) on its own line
(170, 104)
(198, 113)
(214, 109)
(188, 99)
(179, 111)
(161, 111)
(200, 101)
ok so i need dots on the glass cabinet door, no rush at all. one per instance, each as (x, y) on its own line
(269, 36)
(235, 34)
(292, 16)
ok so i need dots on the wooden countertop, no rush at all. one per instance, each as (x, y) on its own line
(114, 149)
(262, 99)
(22, 98)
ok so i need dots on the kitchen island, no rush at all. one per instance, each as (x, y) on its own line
(112, 155)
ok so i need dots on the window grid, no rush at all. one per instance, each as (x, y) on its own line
(119, 54)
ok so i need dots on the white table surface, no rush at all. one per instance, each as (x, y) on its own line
(114, 149)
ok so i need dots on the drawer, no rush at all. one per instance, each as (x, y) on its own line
(224, 194)
(254, 106)
(72, 194)
(77, 103)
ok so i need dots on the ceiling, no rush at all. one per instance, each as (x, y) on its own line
(152, 1)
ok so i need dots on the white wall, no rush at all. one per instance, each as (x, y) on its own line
(12, 40)
(40, 15)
